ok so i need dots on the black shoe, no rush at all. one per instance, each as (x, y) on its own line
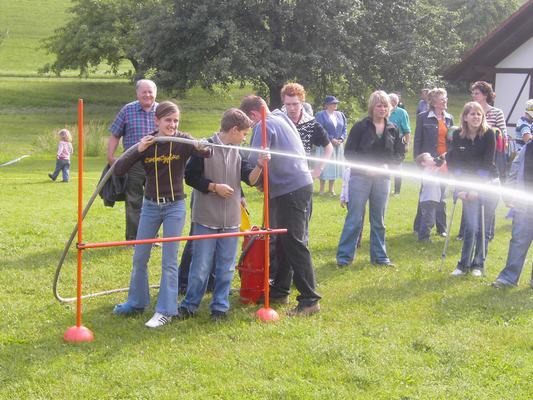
(459, 237)
(51, 177)
(218, 315)
(184, 313)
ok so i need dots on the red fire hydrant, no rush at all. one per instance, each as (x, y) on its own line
(251, 268)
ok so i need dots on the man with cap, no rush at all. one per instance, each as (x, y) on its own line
(334, 122)
(524, 126)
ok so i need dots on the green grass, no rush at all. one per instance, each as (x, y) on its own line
(406, 333)
(410, 332)
(25, 23)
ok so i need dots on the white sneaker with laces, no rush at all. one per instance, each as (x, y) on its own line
(477, 272)
(457, 272)
(158, 320)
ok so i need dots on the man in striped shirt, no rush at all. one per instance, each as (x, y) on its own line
(134, 120)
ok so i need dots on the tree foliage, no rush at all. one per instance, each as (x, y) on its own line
(100, 31)
(342, 47)
(477, 18)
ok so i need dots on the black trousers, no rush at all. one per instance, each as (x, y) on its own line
(292, 253)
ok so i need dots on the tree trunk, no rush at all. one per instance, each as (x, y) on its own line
(274, 88)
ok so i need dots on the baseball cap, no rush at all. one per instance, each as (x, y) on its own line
(529, 107)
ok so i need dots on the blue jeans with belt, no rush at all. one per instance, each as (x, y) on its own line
(172, 216)
(362, 188)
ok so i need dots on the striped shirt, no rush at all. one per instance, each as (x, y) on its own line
(495, 119)
(132, 123)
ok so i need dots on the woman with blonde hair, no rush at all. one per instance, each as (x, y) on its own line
(376, 142)
(431, 136)
(471, 158)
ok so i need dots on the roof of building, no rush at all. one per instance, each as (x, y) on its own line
(478, 63)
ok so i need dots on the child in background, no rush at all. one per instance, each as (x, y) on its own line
(430, 196)
(64, 150)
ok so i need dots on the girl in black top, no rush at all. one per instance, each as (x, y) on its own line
(471, 157)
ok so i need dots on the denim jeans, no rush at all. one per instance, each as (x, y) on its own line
(172, 216)
(440, 217)
(472, 252)
(223, 252)
(428, 217)
(375, 190)
(64, 167)
(521, 238)
(134, 199)
(292, 253)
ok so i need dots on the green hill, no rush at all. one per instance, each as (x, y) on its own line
(24, 24)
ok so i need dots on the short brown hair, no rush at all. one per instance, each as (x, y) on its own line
(252, 103)
(166, 108)
(293, 89)
(235, 117)
(486, 89)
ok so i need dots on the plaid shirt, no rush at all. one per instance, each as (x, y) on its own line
(132, 123)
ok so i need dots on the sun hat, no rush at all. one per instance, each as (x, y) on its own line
(331, 100)
(529, 107)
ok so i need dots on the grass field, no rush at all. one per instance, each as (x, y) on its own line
(405, 333)
(409, 332)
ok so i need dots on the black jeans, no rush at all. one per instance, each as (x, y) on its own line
(293, 255)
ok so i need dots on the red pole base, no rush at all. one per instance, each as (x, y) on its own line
(78, 334)
(267, 315)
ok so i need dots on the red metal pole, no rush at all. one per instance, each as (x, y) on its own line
(80, 210)
(266, 313)
(180, 238)
(79, 333)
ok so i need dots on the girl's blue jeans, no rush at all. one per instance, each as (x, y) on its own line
(172, 216)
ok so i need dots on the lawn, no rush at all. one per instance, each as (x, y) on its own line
(405, 333)
(409, 332)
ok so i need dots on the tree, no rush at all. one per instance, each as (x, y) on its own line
(100, 31)
(330, 46)
(477, 18)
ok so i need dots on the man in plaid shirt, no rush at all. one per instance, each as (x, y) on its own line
(134, 120)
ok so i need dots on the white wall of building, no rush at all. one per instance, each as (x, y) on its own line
(508, 85)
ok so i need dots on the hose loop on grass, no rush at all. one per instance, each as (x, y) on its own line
(99, 187)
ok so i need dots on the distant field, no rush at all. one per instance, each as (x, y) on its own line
(25, 23)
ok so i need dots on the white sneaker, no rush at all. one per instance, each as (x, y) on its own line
(158, 320)
(477, 272)
(457, 272)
